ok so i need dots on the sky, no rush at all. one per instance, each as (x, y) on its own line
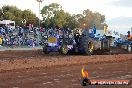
(118, 13)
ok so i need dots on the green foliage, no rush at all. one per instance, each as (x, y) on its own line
(8, 16)
(1, 13)
(17, 15)
(29, 16)
(60, 18)
(71, 21)
(53, 15)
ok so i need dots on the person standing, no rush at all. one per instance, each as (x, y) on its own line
(0, 40)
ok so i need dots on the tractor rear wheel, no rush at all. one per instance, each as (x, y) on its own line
(89, 47)
(64, 50)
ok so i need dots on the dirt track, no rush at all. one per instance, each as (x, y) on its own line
(33, 69)
(11, 60)
(66, 76)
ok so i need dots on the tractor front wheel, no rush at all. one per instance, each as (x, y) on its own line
(45, 50)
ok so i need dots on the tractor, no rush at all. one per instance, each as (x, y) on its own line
(57, 41)
(65, 41)
(87, 43)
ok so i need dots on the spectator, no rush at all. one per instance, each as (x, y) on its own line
(20, 37)
(0, 40)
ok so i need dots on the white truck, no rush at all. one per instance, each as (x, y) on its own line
(7, 23)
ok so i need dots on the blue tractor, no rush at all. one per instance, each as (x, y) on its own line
(57, 41)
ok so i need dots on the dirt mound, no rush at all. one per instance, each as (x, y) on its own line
(10, 60)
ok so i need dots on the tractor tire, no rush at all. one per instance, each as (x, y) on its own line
(64, 50)
(89, 47)
(45, 50)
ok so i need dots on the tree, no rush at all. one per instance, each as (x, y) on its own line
(54, 15)
(29, 16)
(50, 10)
(91, 18)
(13, 13)
(1, 14)
(50, 14)
(71, 21)
(59, 18)
(8, 16)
